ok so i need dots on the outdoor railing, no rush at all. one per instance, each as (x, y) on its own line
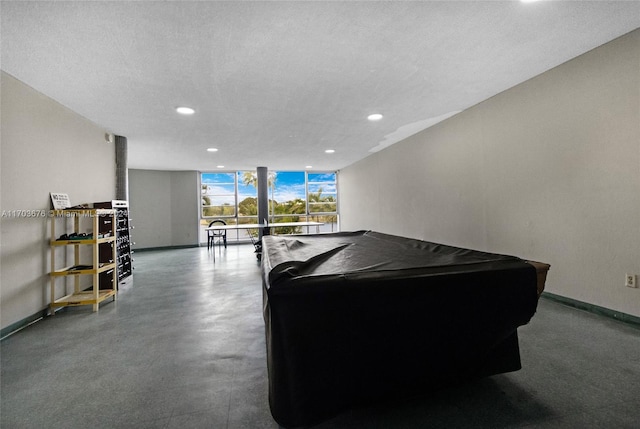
(329, 224)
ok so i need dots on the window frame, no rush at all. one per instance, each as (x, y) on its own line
(237, 218)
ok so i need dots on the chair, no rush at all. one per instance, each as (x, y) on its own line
(220, 234)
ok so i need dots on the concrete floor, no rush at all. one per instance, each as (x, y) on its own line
(183, 347)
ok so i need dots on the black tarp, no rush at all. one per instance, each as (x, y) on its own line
(357, 317)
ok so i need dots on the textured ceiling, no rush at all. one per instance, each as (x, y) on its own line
(276, 83)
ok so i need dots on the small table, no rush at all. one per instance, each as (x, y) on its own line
(260, 225)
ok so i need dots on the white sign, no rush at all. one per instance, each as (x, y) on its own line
(60, 201)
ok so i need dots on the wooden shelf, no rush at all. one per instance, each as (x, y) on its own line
(79, 242)
(102, 241)
(68, 271)
(84, 298)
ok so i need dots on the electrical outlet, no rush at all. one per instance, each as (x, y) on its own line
(630, 280)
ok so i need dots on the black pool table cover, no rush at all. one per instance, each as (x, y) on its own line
(354, 318)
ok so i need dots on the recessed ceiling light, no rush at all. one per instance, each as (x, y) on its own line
(185, 110)
(329, 151)
(374, 117)
(220, 166)
(212, 149)
(308, 166)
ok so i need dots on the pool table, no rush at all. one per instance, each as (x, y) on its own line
(354, 318)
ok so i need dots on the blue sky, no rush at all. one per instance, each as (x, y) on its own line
(289, 185)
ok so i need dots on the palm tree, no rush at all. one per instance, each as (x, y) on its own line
(315, 198)
(251, 178)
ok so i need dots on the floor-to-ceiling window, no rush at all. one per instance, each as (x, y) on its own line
(218, 195)
(294, 196)
(322, 199)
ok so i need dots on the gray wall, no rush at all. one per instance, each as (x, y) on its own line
(45, 148)
(548, 170)
(164, 208)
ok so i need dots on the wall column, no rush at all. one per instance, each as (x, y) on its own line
(122, 170)
(263, 197)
